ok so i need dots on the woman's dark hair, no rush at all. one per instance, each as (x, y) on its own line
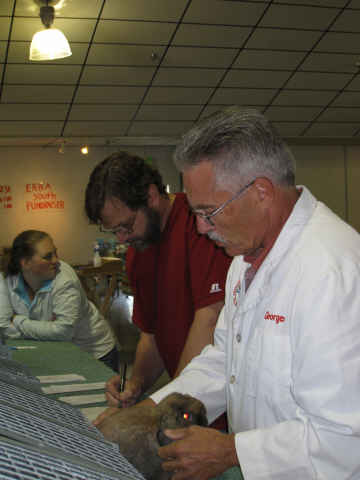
(124, 176)
(23, 247)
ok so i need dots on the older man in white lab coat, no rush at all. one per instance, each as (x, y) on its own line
(286, 359)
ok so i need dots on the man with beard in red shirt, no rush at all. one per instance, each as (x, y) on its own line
(177, 276)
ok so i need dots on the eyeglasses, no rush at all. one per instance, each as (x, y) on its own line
(124, 229)
(209, 216)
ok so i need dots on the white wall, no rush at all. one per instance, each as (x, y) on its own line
(67, 174)
(331, 172)
(322, 170)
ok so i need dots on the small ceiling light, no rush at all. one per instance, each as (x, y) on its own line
(61, 148)
(51, 43)
(84, 149)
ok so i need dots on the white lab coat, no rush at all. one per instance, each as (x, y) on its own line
(286, 359)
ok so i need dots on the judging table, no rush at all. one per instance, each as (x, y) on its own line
(51, 361)
(42, 437)
(58, 361)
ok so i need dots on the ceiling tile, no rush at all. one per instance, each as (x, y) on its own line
(109, 75)
(287, 129)
(130, 55)
(37, 94)
(262, 59)
(134, 32)
(95, 128)
(204, 77)
(238, 96)
(104, 94)
(4, 28)
(2, 51)
(332, 130)
(18, 111)
(350, 114)
(159, 128)
(255, 79)
(168, 112)
(210, 109)
(42, 73)
(6, 7)
(269, 38)
(354, 4)
(75, 30)
(339, 42)
(355, 84)
(102, 112)
(33, 129)
(156, 10)
(27, 8)
(303, 98)
(225, 13)
(348, 21)
(19, 53)
(318, 81)
(78, 9)
(317, 3)
(291, 16)
(178, 95)
(347, 99)
(199, 57)
(293, 114)
(331, 62)
(211, 36)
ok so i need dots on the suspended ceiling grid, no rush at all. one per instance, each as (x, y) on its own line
(145, 71)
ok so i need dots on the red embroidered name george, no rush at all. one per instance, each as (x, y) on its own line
(274, 317)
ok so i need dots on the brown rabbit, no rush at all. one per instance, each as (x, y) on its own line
(139, 430)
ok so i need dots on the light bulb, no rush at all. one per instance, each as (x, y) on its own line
(84, 150)
(49, 44)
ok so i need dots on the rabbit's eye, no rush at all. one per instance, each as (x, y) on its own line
(187, 416)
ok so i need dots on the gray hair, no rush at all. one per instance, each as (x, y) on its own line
(241, 144)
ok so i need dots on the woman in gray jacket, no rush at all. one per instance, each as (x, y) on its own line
(41, 298)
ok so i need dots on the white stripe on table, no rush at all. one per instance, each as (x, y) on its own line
(70, 377)
(84, 399)
(76, 387)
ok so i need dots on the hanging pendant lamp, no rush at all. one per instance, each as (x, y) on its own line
(51, 43)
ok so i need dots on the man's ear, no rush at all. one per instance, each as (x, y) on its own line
(264, 188)
(153, 196)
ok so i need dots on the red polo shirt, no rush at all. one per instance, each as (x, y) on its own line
(184, 272)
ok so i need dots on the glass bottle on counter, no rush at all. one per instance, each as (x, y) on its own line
(97, 258)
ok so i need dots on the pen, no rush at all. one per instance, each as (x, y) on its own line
(28, 347)
(123, 377)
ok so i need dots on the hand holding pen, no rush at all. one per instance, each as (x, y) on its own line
(122, 391)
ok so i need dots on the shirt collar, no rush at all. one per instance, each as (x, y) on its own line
(21, 290)
(300, 214)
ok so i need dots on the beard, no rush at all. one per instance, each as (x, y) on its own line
(152, 232)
